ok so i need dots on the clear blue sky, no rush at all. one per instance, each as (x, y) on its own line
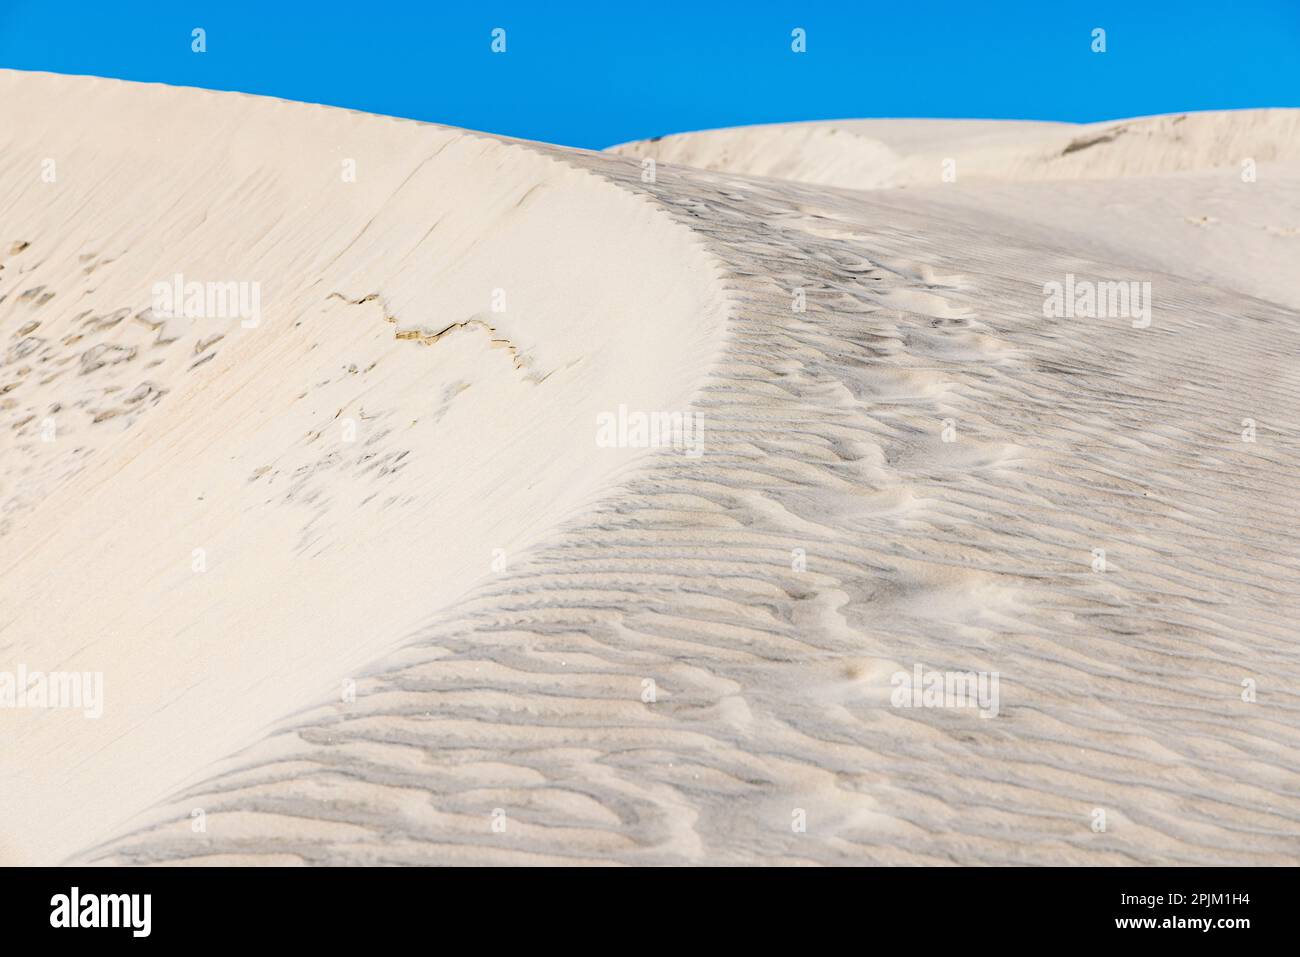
(594, 74)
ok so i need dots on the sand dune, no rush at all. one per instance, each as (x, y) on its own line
(346, 466)
(681, 659)
(871, 154)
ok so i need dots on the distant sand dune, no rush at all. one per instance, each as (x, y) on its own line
(905, 464)
(871, 154)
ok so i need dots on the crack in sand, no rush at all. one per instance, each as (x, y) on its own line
(427, 336)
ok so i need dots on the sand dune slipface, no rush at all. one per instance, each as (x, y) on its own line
(1080, 521)
(228, 514)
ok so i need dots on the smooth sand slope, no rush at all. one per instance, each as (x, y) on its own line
(347, 467)
(917, 468)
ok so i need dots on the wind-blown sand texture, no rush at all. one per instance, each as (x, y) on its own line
(395, 483)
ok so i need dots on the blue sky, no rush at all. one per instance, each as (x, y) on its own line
(594, 74)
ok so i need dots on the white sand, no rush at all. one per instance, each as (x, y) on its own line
(500, 714)
(868, 154)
